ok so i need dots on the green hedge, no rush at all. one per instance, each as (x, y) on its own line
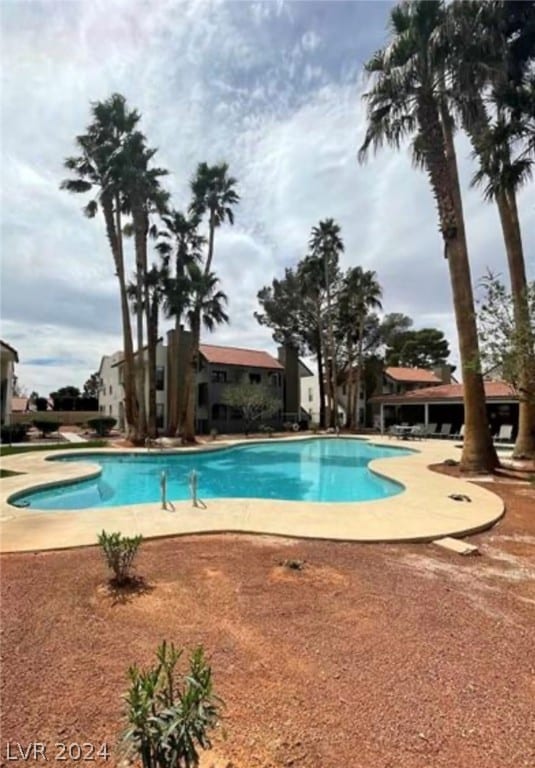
(46, 426)
(13, 433)
(102, 425)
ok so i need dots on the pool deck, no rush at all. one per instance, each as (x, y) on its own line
(423, 512)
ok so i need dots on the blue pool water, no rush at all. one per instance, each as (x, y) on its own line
(334, 469)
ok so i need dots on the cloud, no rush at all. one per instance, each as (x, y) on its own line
(274, 89)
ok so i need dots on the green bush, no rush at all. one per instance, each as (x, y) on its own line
(169, 718)
(119, 552)
(13, 433)
(46, 427)
(102, 425)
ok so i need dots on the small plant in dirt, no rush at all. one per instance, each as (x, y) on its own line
(293, 565)
(119, 552)
(170, 716)
(46, 427)
(451, 463)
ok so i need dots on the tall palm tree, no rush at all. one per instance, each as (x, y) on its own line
(95, 170)
(206, 311)
(143, 196)
(408, 99)
(486, 74)
(180, 247)
(360, 295)
(214, 194)
(326, 244)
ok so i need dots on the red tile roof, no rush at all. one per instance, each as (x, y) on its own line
(412, 375)
(493, 390)
(246, 358)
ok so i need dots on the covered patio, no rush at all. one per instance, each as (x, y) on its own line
(444, 404)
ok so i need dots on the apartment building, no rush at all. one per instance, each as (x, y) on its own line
(219, 367)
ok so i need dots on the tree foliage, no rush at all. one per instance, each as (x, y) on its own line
(423, 348)
(504, 342)
(255, 401)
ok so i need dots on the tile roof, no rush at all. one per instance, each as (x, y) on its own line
(414, 375)
(247, 358)
(493, 390)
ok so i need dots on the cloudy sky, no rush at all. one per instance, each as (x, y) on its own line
(274, 89)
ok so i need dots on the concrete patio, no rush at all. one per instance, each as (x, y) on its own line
(422, 512)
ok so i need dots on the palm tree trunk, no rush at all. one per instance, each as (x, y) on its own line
(211, 237)
(172, 380)
(141, 431)
(326, 379)
(356, 409)
(321, 380)
(152, 340)
(114, 233)
(525, 440)
(479, 454)
(190, 394)
(350, 387)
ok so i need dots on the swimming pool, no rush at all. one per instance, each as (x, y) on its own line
(315, 469)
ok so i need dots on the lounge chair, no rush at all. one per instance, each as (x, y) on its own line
(445, 430)
(505, 435)
(417, 431)
(430, 430)
(458, 435)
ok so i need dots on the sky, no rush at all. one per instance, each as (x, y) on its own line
(272, 88)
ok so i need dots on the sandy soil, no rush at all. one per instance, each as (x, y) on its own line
(372, 656)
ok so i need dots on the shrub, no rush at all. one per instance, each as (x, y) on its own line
(169, 719)
(46, 427)
(13, 433)
(102, 425)
(288, 426)
(119, 553)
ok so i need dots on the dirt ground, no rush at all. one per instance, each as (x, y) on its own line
(372, 656)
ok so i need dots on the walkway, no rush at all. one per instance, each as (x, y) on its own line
(423, 512)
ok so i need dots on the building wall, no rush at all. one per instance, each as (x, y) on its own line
(310, 398)
(111, 393)
(6, 388)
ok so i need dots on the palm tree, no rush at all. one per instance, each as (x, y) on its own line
(185, 250)
(408, 99)
(207, 311)
(326, 244)
(214, 194)
(95, 170)
(361, 293)
(483, 66)
(143, 196)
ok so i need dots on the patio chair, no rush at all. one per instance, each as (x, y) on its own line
(417, 431)
(458, 435)
(505, 435)
(431, 430)
(445, 431)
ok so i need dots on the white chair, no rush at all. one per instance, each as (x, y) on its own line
(431, 430)
(458, 435)
(505, 435)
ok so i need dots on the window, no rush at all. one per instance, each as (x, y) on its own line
(310, 394)
(219, 412)
(255, 378)
(275, 379)
(110, 390)
(219, 377)
(121, 374)
(160, 378)
(110, 410)
(159, 415)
